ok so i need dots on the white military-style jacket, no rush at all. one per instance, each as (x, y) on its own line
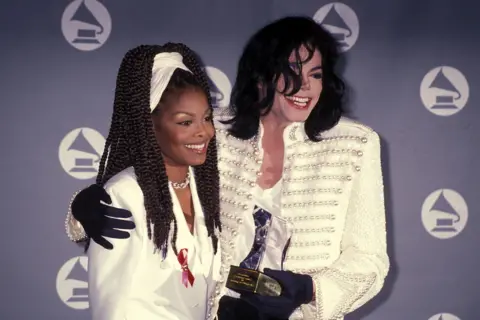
(332, 193)
(132, 282)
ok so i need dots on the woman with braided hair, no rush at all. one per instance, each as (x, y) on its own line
(301, 190)
(160, 165)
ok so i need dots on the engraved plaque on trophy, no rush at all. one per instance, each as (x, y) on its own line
(272, 237)
(244, 280)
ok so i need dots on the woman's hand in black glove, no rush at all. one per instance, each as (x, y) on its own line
(99, 220)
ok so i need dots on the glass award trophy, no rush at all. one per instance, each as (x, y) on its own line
(272, 236)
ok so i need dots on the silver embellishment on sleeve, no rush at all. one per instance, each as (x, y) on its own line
(74, 229)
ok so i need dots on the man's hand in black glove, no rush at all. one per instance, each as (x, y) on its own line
(99, 220)
(297, 289)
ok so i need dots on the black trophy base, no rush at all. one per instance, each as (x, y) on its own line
(242, 280)
(238, 309)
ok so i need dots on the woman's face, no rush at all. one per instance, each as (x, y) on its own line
(183, 128)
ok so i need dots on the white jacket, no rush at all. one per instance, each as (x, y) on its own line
(132, 282)
(333, 195)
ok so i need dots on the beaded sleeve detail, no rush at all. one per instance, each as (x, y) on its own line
(73, 228)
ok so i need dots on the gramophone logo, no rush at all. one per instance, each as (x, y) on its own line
(444, 316)
(86, 24)
(444, 91)
(80, 152)
(341, 21)
(444, 213)
(72, 283)
(220, 87)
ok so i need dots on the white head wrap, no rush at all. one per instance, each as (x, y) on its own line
(164, 64)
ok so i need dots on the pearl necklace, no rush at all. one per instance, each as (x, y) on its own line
(183, 184)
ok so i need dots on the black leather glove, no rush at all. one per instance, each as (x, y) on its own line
(99, 220)
(297, 289)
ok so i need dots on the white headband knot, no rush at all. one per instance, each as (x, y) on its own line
(164, 64)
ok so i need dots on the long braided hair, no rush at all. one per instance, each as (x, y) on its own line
(131, 142)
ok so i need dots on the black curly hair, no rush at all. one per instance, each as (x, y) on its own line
(131, 141)
(266, 57)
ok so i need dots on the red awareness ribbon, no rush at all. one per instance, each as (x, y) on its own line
(187, 276)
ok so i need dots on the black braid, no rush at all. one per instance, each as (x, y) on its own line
(131, 142)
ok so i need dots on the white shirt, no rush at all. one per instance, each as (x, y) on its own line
(277, 236)
(279, 231)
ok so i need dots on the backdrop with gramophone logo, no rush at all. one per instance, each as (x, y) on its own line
(414, 73)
